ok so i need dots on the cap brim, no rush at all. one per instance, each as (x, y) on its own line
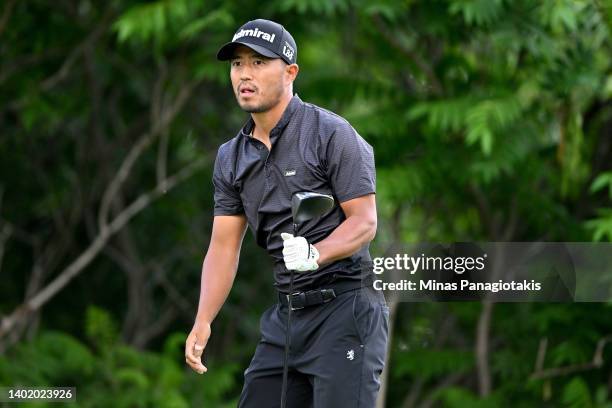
(226, 52)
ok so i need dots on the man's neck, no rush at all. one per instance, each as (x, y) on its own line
(265, 121)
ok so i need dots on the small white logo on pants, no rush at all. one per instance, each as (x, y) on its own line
(350, 355)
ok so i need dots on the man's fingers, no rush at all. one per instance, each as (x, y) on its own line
(191, 359)
(290, 252)
(292, 258)
(199, 345)
(196, 365)
(294, 254)
(193, 354)
(198, 350)
(297, 249)
(289, 246)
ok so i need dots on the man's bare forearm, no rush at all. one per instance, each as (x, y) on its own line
(218, 273)
(346, 239)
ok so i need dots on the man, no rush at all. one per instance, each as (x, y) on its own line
(340, 323)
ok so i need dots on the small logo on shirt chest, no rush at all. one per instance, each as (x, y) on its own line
(289, 173)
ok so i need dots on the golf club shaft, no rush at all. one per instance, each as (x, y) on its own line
(287, 342)
(287, 336)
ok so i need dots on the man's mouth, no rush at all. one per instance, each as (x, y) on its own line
(246, 90)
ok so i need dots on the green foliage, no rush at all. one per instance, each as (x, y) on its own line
(443, 116)
(602, 225)
(489, 116)
(389, 9)
(51, 359)
(153, 21)
(601, 182)
(561, 16)
(455, 397)
(100, 328)
(119, 377)
(483, 121)
(477, 12)
(568, 352)
(432, 363)
(325, 7)
(576, 394)
(218, 17)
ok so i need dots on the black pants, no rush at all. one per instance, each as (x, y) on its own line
(337, 354)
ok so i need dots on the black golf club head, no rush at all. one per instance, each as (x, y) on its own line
(307, 205)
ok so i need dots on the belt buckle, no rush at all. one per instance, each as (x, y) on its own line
(302, 296)
(333, 293)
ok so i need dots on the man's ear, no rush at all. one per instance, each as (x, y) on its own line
(292, 70)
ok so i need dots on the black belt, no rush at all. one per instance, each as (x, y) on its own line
(318, 296)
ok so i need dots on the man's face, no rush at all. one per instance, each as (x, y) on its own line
(258, 82)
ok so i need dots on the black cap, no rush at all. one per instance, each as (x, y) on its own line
(265, 37)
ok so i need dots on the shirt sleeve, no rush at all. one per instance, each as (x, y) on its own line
(350, 164)
(227, 199)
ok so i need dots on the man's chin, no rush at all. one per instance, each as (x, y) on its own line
(252, 108)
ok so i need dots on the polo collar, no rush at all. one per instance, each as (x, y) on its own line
(282, 123)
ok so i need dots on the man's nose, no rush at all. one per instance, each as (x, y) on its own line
(245, 72)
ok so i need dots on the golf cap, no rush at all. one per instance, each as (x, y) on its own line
(265, 37)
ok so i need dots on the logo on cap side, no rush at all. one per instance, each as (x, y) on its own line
(288, 51)
(254, 33)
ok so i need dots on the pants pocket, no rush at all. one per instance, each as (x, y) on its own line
(385, 312)
(362, 317)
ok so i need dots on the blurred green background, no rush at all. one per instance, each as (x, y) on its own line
(491, 120)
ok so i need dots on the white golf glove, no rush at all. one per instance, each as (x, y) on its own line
(298, 254)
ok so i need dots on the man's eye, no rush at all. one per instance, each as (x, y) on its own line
(258, 62)
(235, 63)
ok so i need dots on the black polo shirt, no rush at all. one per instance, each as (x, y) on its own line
(314, 150)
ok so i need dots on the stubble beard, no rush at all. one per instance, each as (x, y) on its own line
(265, 105)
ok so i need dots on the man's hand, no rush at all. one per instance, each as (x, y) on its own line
(194, 346)
(298, 254)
